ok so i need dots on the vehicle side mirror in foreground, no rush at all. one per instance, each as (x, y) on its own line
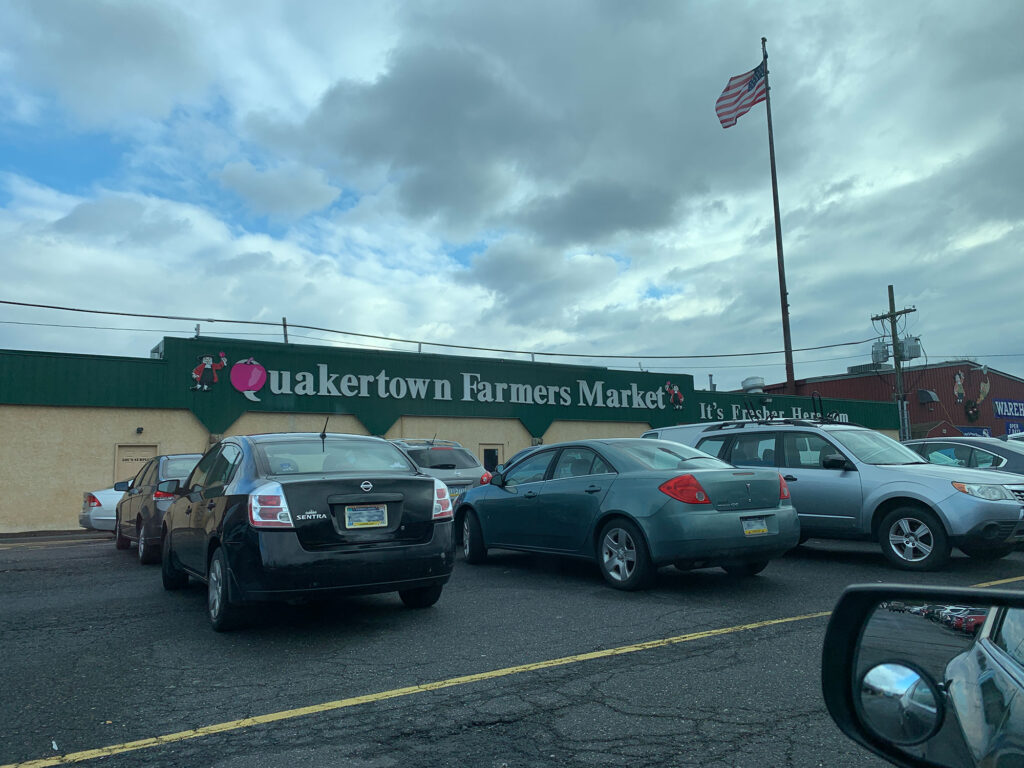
(497, 479)
(121, 486)
(170, 486)
(928, 677)
(838, 461)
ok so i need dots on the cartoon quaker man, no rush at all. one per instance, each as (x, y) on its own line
(958, 387)
(675, 397)
(205, 374)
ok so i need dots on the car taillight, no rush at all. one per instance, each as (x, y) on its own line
(485, 478)
(442, 503)
(268, 507)
(162, 495)
(783, 488)
(92, 501)
(685, 488)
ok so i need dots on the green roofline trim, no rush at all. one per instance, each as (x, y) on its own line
(220, 379)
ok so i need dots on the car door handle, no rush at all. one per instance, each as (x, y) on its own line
(592, 489)
(789, 478)
(529, 495)
(188, 510)
(211, 504)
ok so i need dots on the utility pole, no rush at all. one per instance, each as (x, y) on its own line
(901, 405)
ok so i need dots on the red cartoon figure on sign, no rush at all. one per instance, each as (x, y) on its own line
(205, 374)
(675, 397)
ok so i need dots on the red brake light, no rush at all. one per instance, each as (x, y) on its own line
(783, 488)
(485, 478)
(685, 488)
(92, 501)
(162, 495)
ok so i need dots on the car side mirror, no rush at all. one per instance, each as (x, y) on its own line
(170, 486)
(838, 461)
(121, 486)
(917, 686)
(498, 479)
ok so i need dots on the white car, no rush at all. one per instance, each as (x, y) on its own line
(99, 508)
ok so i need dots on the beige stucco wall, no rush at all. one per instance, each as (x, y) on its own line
(561, 431)
(50, 456)
(261, 423)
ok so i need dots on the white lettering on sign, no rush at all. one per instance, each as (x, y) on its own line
(322, 382)
(1006, 409)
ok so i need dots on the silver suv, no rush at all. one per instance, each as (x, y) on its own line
(448, 461)
(849, 482)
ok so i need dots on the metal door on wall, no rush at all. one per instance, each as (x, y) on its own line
(129, 459)
(491, 455)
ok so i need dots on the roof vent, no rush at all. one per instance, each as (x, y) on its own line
(753, 385)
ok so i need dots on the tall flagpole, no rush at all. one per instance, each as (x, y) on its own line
(783, 293)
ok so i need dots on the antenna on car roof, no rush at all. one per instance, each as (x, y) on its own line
(323, 436)
(433, 438)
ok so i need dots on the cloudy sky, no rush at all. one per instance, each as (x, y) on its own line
(538, 176)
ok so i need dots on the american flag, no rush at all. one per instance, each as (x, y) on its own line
(740, 94)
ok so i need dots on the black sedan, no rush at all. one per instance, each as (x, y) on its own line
(141, 510)
(293, 516)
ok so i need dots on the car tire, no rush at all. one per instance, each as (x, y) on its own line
(173, 577)
(222, 613)
(622, 555)
(473, 547)
(421, 597)
(750, 568)
(914, 539)
(991, 552)
(148, 554)
(120, 540)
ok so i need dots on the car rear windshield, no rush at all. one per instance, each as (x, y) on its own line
(179, 468)
(443, 457)
(663, 455)
(312, 456)
(874, 447)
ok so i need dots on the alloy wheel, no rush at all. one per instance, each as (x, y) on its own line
(911, 539)
(214, 591)
(618, 552)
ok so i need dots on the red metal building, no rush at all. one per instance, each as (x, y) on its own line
(950, 398)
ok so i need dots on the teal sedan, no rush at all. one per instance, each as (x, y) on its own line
(632, 505)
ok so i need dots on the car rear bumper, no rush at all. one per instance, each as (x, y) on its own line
(96, 522)
(272, 565)
(715, 538)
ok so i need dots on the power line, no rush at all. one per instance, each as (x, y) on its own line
(429, 343)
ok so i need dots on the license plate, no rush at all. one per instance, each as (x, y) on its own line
(754, 526)
(366, 516)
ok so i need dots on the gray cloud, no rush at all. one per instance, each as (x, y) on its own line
(290, 190)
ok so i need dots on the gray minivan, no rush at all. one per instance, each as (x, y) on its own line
(850, 482)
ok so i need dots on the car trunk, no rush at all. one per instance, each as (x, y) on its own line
(339, 512)
(737, 489)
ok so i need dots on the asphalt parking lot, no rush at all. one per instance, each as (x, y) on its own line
(526, 661)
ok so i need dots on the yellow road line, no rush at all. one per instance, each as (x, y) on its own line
(289, 714)
(1001, 581)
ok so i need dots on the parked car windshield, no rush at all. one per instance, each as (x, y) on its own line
(874, 447)
(313, 456)
(669, 456)
(443, 457)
